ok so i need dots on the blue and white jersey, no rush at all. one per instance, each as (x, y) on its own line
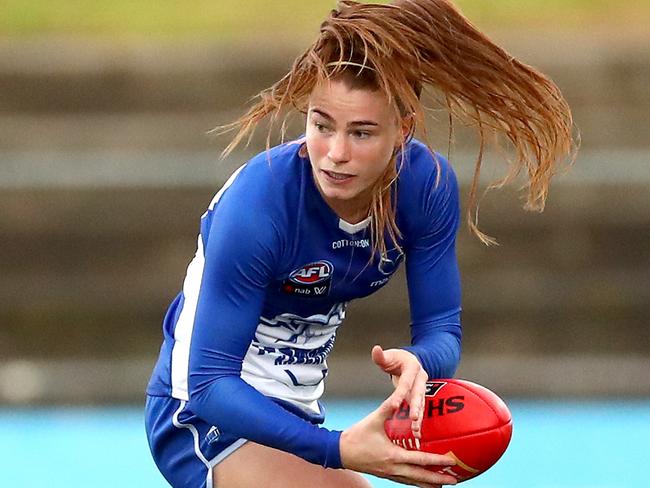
(246, 341)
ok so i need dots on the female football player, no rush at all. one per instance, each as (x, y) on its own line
(307, 226)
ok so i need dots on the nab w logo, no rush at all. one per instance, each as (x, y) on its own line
(313, 273)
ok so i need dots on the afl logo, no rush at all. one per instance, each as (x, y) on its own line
(313, 273)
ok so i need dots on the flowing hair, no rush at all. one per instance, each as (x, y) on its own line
(399, 48)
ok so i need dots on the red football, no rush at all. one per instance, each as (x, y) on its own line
(461, 419)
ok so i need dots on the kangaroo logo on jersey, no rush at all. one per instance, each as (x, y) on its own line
(389, 262)
(310, 280)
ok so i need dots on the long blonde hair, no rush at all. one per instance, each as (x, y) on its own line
(399, 48)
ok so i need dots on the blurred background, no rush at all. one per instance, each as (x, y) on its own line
(107, 163)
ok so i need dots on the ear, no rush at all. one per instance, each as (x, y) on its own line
(407, 128)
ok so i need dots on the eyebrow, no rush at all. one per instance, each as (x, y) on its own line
(355, 123)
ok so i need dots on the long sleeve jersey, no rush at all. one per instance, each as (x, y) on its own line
(246, 341)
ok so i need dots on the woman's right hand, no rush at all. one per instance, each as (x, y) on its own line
(366, 448)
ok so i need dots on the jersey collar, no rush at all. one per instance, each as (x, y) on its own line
(353, 228)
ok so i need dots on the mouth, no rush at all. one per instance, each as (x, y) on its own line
(336, 176)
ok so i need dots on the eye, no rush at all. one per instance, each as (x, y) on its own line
(320, 127)
(361, 134)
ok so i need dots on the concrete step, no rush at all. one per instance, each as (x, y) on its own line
(92, 381)
(55, 75)
(74, 86)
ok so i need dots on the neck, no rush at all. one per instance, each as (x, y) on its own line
(353, 210)
(352, 214)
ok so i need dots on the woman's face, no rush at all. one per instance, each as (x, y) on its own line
(351, 135)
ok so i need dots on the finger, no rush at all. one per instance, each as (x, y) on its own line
(417, 474)
(420, 458)
(418, 390)
(417, 467)
(405, 383)
(405, 481)
(419, 485)
(417, 400)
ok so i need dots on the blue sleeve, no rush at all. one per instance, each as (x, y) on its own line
(433, 277)
(242, 247)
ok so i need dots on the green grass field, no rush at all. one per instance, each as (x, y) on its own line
(231, 19)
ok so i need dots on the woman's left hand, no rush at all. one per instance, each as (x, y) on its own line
(409, 379)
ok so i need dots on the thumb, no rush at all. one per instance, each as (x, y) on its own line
(387, 408)
(378, 356)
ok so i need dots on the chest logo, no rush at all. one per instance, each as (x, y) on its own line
(312, 273)
(311, 280)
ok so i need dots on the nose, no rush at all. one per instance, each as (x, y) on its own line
(339, 149)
